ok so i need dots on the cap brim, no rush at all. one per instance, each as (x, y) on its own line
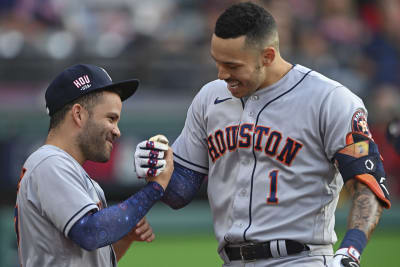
(125, 89)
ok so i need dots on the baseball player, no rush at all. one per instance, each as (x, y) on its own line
(61, 214)
(277, 142)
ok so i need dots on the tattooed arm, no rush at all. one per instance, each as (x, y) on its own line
(364, 216)
(366, 209)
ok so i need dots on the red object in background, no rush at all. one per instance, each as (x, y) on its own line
(391, 160)
(371, 17)
(103, 172)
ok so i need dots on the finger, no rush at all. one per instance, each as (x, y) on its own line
(143, 172)
(143, 227)
(169, 163)
(141, 222)
(152, 172)
(151, 238)
(143, 153)
(159, 138)
(150, 163)
(151, 145)
(146, 233)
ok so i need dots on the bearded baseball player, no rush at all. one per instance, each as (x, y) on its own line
(277, 142)
(61, 214)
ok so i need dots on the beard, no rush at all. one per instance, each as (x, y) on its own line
(92, 142)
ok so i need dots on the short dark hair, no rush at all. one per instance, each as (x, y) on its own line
(248, 19)
(87, 101)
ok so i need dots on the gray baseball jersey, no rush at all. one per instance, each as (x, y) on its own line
(269, 157)
(53, 193)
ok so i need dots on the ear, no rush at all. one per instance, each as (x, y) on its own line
(79, 115)
(268, 55)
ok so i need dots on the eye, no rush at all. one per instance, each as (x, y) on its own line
(233, 67)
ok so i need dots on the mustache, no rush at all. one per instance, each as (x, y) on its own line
(111, 138)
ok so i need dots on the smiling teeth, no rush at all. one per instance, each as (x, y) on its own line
(233, 84)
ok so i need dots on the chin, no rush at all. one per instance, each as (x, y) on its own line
(103, 159)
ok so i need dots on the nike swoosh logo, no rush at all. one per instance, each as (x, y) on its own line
(217, 101)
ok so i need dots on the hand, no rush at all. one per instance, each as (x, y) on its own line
(142, 232)
(345, 257)
(149, 157)
(164, 178)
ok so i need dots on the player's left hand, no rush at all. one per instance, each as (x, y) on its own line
(142, 232)
(149, 156)
(345, 257)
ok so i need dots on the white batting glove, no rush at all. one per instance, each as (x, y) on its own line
(149, 156)
(346, 257)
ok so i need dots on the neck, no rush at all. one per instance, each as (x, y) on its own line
(276, 72)
(67, 144)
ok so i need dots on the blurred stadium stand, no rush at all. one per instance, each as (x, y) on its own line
(166, 45)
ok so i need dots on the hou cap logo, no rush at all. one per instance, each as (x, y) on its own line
(82, 79)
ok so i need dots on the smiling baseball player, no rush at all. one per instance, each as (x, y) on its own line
(61, 214)
(277, 141)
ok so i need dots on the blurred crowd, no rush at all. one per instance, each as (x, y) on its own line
(356, 42)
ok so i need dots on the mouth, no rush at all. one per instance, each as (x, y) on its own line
(110, 141)
(233, 86)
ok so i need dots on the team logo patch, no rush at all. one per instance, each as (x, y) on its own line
(359, 123)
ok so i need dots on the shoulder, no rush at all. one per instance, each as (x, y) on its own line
(213, 89)
(322, 86)
(317, 79)
(50, 158)
(209, 92)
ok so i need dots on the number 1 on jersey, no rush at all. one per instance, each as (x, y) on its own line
(272, 199)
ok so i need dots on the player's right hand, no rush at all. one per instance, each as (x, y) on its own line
(149, 158)
(345, 257)
(165, 176)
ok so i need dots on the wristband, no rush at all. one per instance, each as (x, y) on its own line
(354, 238)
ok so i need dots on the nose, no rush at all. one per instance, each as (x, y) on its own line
(222, 73)
(116, 132)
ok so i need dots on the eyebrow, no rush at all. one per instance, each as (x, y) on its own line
(112, 114)
(225, 62)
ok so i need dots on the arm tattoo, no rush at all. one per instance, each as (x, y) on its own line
(365, 210)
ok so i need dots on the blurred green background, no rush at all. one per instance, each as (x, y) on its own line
(166, 45)
(185, 238)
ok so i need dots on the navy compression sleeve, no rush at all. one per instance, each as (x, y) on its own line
(105, 227)
(182, 187)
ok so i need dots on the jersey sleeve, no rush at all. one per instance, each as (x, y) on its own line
(342, 112)
(61, 192)
(190, 148)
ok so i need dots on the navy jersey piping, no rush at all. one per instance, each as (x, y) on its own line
(242, 101)
(77, 214)
(191, 163)
(254, 154)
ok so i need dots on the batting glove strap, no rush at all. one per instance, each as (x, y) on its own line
(350, 257)
(149, 158)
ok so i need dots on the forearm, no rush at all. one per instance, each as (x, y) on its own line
(121, 246)
(109, 225)
(366, 210)
(183, 186)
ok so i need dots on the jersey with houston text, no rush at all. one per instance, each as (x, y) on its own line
(269, 156)
(54, 192)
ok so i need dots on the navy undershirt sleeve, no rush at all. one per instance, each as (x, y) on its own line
(183, 186)
(107, 226)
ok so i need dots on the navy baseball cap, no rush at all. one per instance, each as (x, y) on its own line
(81, 79)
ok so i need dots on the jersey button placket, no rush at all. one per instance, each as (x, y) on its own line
(243, 193)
